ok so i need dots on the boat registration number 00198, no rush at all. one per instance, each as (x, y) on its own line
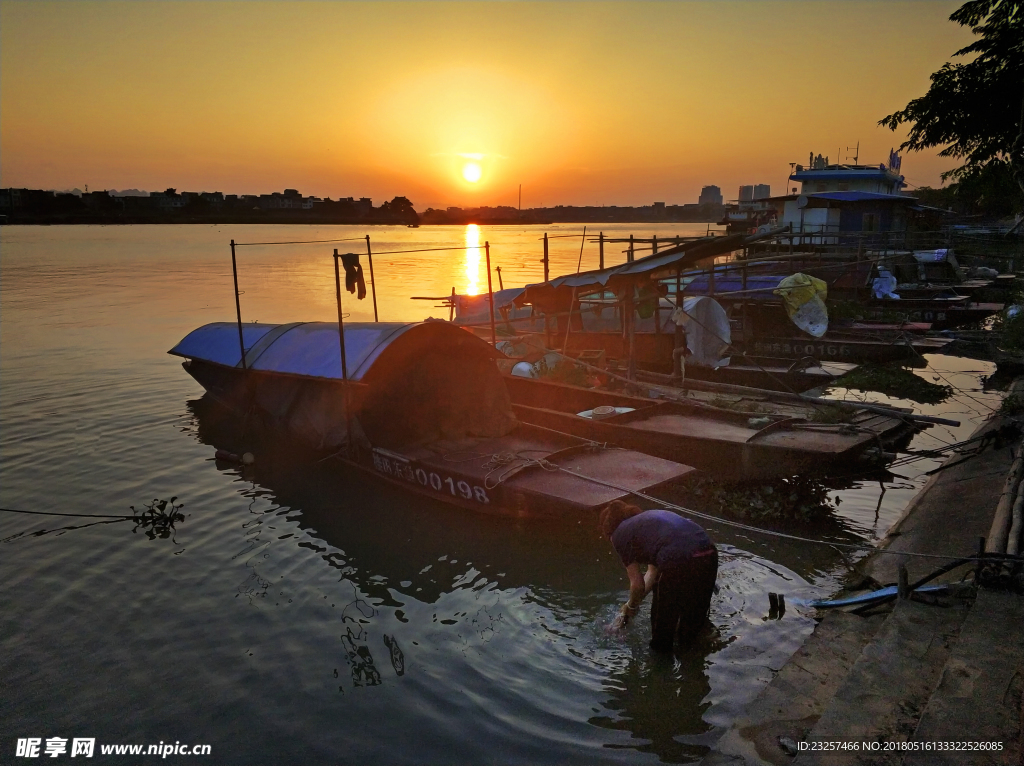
(399, 467)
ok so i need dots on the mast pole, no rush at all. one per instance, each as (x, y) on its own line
(341, 322)
(490, 293)
(373, 281)
(238, 305)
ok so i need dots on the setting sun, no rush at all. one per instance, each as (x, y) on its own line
(471, 172)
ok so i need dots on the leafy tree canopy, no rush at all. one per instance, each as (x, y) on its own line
(400, 209)
(975, 109)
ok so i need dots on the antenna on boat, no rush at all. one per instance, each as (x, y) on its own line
(238, 305)
(373, 282)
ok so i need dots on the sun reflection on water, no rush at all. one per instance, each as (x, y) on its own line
(472, 259)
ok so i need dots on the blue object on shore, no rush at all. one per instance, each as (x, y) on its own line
(868, 598)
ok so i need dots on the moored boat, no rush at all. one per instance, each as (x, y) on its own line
(851, 346)
(419, 405)
(726, 443)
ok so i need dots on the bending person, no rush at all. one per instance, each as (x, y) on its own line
(682, 566)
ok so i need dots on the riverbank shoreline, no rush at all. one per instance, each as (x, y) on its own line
(951, 669)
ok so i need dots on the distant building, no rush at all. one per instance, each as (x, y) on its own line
(746, 194)
(168, 200)
(710, 195)
(762, 191)
(846, 198)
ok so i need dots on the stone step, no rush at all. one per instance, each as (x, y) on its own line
(978, 698)
(790, 705)
(884, 694)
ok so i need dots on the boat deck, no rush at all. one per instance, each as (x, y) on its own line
(536, 462)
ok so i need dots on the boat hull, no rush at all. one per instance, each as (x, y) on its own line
(843, 348)
(526, 472)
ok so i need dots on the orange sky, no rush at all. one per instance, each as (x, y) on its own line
(582, 103)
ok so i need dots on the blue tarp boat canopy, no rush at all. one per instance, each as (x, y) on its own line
(732, 281)
(309, 349)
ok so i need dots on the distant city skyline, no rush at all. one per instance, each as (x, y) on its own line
(458, 104)
(712, 200)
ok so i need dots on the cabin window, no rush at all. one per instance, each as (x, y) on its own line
(844, 187)
(820, 187)
(870, 222)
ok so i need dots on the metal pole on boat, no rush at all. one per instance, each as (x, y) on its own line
(545, 261)
(679, 340)
(600, 250)
(238, 305)
(490, 290)
(344, 363)
(373, 282)
(341, 322)
(631, 313)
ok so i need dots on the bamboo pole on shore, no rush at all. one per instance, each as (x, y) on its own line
(1016, 523)
(1013, 541)
(998, 534)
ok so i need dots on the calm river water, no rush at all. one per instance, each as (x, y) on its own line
(303, 615)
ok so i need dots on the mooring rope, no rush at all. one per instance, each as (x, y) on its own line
(73, 515)
(773, 533)
(300, 242)
(431, 249)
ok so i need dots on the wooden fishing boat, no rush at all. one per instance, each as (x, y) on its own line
(884, 328)
(653, 353)
(943, 313)
(419, 405)
(850, 346)
(726, 443)
(768, 373)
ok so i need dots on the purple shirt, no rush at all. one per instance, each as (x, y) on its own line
(659, 537)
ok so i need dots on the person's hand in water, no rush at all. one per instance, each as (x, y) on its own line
(625, 615)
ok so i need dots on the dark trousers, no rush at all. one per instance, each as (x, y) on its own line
(682, 600)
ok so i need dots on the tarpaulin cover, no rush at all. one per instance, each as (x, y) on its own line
(804, 299)
(474, 307)
(884, 285)
(936, 256)
(306, 348)
(732, 281)
(708, 333)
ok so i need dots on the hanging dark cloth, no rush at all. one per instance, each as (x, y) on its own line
(353, 274)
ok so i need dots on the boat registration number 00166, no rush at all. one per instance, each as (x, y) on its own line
(398, 467)
(820, 349)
